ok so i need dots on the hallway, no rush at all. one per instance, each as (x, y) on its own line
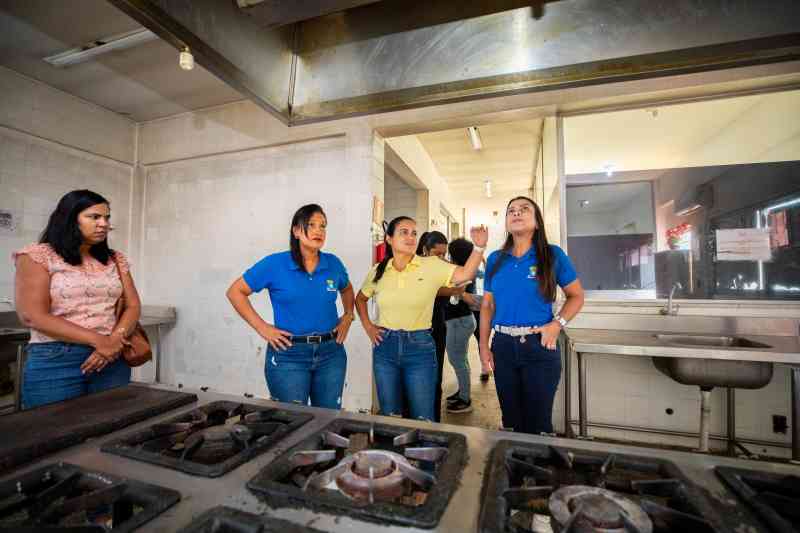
(485, 406)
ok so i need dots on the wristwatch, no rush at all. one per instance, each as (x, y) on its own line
(561, 320)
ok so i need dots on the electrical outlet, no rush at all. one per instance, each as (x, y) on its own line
(779, 424)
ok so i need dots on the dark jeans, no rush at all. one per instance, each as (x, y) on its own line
(526, 375)
(404, 364)
(307, 371)
(53, 373)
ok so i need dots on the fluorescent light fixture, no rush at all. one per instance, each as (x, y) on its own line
(487, 186)
(120, 41)
(474, 138)
(781, 205)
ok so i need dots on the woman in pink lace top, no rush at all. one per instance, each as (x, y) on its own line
(67, 287)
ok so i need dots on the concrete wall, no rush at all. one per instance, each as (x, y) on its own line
(233, 176)
(400, 198)
(417, 159)
(52, 143)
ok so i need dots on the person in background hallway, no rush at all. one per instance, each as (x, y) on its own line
(519, 292)
(67, 288)
(460, 327)
(405, 286)
(475, 306)
(305, 357)
(434, 244)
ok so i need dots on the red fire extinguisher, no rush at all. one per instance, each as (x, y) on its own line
(380, 252)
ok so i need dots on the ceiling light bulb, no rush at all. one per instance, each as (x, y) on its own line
(474, 138)
(609, 169)
(584, 203)
(186, 59)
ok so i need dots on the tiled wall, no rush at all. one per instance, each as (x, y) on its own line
(207, 220)
(51, 143)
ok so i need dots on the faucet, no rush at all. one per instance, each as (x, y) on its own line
(669, 309)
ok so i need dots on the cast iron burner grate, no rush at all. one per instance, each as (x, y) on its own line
(539, 488)
(375, 472)
(68, 498)
(774, 497)
(210, 440)
(229, 520)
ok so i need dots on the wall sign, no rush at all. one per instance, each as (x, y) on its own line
(743, 244)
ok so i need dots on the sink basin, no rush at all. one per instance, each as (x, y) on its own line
(718, 341)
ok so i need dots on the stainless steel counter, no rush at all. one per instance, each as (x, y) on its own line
(200, 494)
(782, 349)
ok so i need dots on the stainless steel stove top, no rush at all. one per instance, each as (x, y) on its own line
(199, 495)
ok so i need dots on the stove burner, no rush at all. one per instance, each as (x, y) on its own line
(368, 474)
(774, 497)
(379, 472)
(528, 485)
(590, 509)
(64, 497)
(211, 440)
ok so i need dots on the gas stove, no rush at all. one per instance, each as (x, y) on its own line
(378, 472)
(543, 489)
(68, 498)
(774, 497)
(335, 471)
(210, 440)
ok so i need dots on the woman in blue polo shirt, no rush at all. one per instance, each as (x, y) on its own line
(519, 291)
(305, 357)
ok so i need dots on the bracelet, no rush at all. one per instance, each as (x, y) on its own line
(478, 249)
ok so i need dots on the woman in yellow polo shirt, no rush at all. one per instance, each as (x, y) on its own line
(405, 286)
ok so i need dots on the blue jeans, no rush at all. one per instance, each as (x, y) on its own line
(526, 375)
(404, 364)
(304, 371)
(459, 331)
(53, 373)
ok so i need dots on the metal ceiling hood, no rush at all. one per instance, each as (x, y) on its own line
(274, 13)
(400, 54)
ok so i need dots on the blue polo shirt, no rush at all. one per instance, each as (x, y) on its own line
(515, 287)
(302, 303)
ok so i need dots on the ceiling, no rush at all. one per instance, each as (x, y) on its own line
(143, 82)
(507, 158)
(747, 129)
(604, 198)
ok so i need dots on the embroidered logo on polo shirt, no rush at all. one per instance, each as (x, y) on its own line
(331, 285)
(532, 273)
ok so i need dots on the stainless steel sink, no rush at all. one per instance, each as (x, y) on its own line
(719, 341)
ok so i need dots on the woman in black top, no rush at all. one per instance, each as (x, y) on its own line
(435, 243)
(460, 324)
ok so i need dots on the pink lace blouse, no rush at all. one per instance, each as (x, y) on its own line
(84, 294)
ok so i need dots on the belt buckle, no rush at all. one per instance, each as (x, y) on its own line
(314, 339)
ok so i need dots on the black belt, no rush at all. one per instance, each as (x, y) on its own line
(313, 339)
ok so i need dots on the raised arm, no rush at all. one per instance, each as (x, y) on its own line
(479, 236)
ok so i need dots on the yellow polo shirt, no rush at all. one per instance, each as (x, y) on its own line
(405, 299)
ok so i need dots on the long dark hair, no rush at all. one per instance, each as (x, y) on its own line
(429, 239)
(545, 269)
(301, 219)
(63, 234)
(460, 249)
(389, 232)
